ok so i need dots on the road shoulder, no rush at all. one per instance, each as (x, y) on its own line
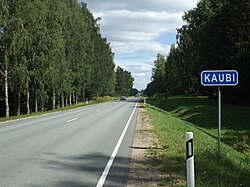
(142, 172)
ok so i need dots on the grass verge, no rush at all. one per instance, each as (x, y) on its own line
(203, 113)
(91, 102)
(232, 170)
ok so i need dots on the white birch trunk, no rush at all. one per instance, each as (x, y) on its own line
(36, 105)
(54, 101)
(28, 101)
(70, 102)
(19, 104)
(58, 100)
(62, 100)
(66, 101)
(7, 112)
(76, 99)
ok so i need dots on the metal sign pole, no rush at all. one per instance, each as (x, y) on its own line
(219, 120)
(219, 78)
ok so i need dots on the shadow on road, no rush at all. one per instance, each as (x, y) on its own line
(88, 167)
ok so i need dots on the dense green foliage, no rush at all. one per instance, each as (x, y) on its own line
(51, 55)
(216, 36)
(124, 82)
(232, 170)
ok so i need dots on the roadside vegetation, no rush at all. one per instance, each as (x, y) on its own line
(174, 116)
(215, 36)
(52, 54)
(203, 113)
(81, 104)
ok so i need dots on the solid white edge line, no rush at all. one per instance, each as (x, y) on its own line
(71, 120)
(109, 164)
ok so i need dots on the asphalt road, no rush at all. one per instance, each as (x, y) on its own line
(70, 148)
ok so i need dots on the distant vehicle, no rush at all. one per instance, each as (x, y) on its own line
(123, 98)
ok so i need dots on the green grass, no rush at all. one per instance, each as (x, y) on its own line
(232, 170)
(91, 102)
(203, 113)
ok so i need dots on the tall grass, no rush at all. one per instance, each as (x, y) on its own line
(232, 170)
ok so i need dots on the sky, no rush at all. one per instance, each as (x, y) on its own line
(138, 30)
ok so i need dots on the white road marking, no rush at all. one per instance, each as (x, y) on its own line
(110, 162)
(71, 120)
(99, 110)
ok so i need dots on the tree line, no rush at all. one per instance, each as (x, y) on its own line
(52, 54)
(215, 36)
(124, 82)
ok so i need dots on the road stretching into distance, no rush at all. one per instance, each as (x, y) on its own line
(88, 146)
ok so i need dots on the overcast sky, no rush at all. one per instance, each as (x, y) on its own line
(139, 29)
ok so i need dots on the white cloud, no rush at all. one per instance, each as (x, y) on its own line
(125, 25)
(136, 28)
(139, 47)
(141, 73)
(136, 5)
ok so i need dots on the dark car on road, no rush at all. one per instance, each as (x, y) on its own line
(123, 98)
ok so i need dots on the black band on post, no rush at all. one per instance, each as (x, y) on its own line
(189, 148)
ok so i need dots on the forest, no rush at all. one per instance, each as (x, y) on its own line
(52, 55)
(215, 36)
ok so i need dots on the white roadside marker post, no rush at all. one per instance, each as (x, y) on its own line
(144, 100)
(190, 159)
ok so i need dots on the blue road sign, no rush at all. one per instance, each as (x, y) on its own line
(219, 78)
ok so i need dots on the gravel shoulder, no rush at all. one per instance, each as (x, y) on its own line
(142, 172)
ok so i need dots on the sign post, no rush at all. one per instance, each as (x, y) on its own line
(219, 78)
(219, 120)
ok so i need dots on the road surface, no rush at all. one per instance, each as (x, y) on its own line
(85, 147)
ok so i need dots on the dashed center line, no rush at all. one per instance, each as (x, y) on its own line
(71, 120)
(99, 110)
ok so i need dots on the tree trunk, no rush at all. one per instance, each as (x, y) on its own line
(54, 101)
(76, 99)
(28, 101)
(7, 113)
(66, 101)
(83, 95)
(36, 105)
(62, 100)
(70, 102)
(19, 104)
(58, 100)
